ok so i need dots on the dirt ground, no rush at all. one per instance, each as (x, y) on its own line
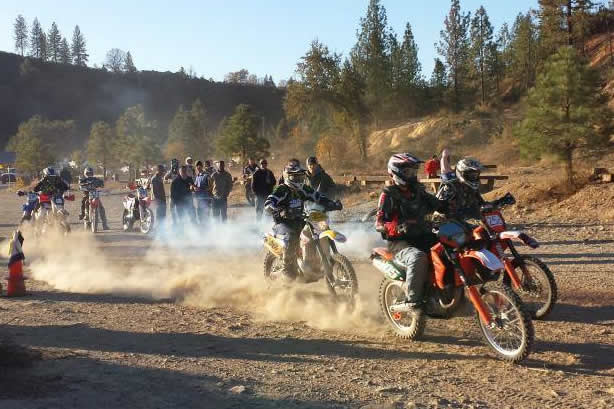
(126, 320)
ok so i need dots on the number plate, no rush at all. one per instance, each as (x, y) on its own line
(59, 200)
(494, 220)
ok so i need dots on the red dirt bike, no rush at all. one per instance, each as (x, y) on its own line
(136, 207)
(528, 276)
(91, 217)
(459, 265)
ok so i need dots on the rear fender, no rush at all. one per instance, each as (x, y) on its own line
(486, 258)
(333, 235)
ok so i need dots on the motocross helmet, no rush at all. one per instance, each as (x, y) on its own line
(88, 172)
(294, 176)
(48, 171)
(468, 172)
(403, 167)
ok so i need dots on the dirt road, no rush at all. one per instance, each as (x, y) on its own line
(122, 320)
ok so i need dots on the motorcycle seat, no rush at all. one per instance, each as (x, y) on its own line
(383, 253)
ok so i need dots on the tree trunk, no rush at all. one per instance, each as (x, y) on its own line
(569, 168)
(361, 135)
(569, 23)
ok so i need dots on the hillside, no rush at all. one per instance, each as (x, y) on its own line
(57, 91)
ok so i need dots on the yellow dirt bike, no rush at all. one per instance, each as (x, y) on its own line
(317, 256)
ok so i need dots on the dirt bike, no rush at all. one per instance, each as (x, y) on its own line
(48, 211)
(91, 217)
(136, 207)
(249, 193)
(317, 256)
(28, 208)
(528, 276)
(458, 266)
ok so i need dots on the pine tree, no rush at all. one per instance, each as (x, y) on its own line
(240, 134)
(454, 48)
(552, 26)
(44, 48)
(371, 56)
(54, 43)
(36, 33)
(504, 43)
(78, 50)
(65, 54)
(411, 68)
(129, 63)
(481, 41)
(20, 34)
(524, 50)
(438, 81)
(100, 145)
(566, 111)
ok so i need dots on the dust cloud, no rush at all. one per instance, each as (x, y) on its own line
(224, 269)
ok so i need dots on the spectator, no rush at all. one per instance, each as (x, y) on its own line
(263, 183)
(318, 179)
(431, 167)
(173, 172)
(209, 170)
(66, 175)
(447, 173)
(158, 194)
(181, 195)
(189, 163)
(202, 193)
(221, 187)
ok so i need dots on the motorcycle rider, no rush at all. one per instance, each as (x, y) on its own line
(462, 192)
(50, 184)
(88, 179)
(401, 220)
(286, 205)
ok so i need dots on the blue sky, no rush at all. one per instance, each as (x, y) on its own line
(264, 36)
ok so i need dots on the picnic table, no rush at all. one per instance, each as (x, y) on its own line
(487, 182)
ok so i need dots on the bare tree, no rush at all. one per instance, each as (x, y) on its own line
(115, 60)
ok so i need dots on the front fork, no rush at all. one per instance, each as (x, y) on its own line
(510, 264)
(473, 292)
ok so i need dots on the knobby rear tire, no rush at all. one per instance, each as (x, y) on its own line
(412, 332)
(342, 262)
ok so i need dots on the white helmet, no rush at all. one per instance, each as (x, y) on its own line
(294, 176)
(468, 172)
(403, 167)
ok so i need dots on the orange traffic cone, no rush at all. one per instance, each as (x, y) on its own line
(16, 286)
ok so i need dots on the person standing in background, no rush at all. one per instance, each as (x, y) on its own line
(221, 186)
(202, 194)
(180, 196)
(189, 163)
(263, 182)
(158, 195)
(209, 170)
(318, 179)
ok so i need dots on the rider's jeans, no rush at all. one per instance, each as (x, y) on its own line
(416, 262)
(293, 233)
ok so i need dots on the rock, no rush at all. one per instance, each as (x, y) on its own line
(389, 389)
(237, 390)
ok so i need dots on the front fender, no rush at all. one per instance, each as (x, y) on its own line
(519, 236)
(486, 258)
(333, 235)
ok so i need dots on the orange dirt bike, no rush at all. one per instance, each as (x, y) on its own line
(458, 265)
(528, 276)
